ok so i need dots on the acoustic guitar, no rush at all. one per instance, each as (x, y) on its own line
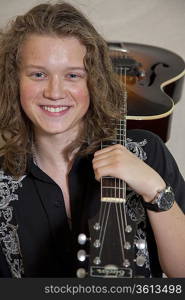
(155, 78)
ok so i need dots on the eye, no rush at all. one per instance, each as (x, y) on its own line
(38, 75)
(73, 75)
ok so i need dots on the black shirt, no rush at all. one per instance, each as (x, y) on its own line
(36, 237)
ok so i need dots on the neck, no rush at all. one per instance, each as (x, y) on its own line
(49, 151)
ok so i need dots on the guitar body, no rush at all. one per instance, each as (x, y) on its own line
(154, 85)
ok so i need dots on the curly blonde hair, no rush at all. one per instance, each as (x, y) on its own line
(59, 19)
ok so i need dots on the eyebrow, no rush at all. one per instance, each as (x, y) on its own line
(42, 67)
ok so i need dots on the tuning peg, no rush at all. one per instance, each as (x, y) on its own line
(81, 273)
(140, 244)
(127, 245)
(97, 243)
(97, 260)
(140, 261)
(81, 255)
(126, 263)
(97, 226)
(128, 229)
(82, 239)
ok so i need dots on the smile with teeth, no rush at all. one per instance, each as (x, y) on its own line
(55, 109)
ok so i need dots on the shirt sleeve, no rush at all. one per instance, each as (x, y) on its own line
(160, 159)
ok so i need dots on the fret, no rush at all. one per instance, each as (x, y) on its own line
(119, 123)
(120, 137)
(113, 190)
(118, 140)
(120, 133)
(122, 121)
(112, 187)
(116, 185)
(111, 181)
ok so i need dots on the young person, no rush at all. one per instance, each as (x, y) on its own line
(59, 98)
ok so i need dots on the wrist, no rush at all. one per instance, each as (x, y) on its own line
(154, 192)
(163, 200)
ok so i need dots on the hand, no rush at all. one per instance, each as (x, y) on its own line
(117, 161)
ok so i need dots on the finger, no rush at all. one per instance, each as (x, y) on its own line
(115, 157)
(104, 156)
(101, 162)
(108, 149)
(105, 170)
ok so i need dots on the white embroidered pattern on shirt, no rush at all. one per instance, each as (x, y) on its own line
(134, 206)
(8, 231)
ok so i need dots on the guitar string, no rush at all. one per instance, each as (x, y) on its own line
(122, 184)
(121, 211)
(105, 228)
(117, 192)
(103, 219)
(124, 143)
(105, 207)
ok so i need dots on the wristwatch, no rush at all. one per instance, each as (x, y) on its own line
(163, 201)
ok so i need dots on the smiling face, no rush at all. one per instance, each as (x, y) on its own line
(53, 84)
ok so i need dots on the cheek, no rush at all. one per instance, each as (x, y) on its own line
(27, 95)
(82, 95)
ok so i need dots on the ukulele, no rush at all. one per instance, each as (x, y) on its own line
(155, 78)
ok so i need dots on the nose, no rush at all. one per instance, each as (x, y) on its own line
(54, 89)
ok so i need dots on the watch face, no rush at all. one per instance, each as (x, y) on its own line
(162, 202)
(166, 199)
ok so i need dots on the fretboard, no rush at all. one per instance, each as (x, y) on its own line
(114, 189)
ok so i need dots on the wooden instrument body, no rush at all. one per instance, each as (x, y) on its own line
(151, 98)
